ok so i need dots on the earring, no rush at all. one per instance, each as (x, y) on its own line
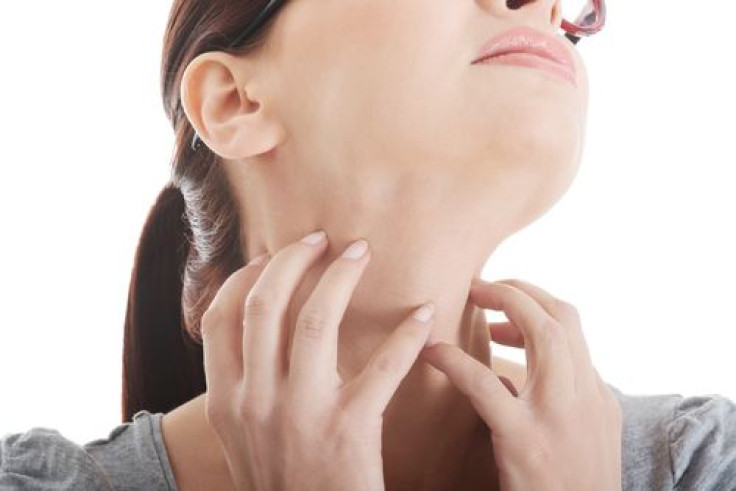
(196, 142)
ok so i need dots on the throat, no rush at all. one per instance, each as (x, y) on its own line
(436, 442)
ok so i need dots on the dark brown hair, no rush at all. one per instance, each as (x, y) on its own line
(191, 240)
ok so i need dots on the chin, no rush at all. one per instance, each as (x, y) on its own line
(544, 150)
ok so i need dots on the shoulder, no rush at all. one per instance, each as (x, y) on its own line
(128, 458)
(703, 442)
(41, 458)
(673, 441)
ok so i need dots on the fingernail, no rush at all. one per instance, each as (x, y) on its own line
(424, 313)
(260, 259)
(356, 250)
(315, 238)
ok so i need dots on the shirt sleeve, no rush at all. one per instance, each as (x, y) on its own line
(645, 449)
(42, 459)
(675, 442)
(703, 443)
(131, 457)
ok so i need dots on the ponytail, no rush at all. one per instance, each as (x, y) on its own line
(162, 365)
(191, 241)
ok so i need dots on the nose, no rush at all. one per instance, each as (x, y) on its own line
(546, 11)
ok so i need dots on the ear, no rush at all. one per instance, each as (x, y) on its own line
(219, 95)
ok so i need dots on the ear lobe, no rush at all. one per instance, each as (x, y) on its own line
(248, 134)
(230, 123)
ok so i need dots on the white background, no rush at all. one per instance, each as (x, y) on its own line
(642, 243)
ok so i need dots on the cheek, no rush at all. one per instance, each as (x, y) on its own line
(387, 107)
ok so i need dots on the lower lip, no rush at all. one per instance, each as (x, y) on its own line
(532, 61)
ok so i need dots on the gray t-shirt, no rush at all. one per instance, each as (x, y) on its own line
(132, 457)
(669, 442)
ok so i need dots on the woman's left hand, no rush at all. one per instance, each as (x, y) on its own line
(562, 430)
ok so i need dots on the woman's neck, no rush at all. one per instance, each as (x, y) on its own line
(432, 434)
(433, 439)
(430, 232)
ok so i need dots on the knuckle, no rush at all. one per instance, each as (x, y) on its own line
(480, 382)
(311, 323)
(566, 310)
(516, 283)
(210, 318)
(506, 288)
(214, 411)
(386, 364)
(515, 296)
(551, 333)
(259, 303)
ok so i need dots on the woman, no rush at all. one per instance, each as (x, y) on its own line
(374, 120)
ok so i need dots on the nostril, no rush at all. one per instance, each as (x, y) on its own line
(516, 4)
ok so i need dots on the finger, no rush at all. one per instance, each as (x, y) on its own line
(545, 339)
(313, 363)
(264, 341)
(222, 327)
(506, 333)
(373, 388)
(568, 317)
(489, 396)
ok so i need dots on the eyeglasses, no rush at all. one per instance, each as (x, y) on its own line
(589, 17)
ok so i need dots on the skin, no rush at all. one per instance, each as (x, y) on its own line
(366, 119)
(197, 458)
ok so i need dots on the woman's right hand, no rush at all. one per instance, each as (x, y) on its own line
(289, 421)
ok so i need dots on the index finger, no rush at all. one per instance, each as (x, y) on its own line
(222, 328)
(313, 363)
(568, 317)
(545, 340)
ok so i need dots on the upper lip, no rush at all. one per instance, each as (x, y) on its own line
(526, 40)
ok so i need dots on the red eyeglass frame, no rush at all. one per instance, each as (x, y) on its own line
(575, 31)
